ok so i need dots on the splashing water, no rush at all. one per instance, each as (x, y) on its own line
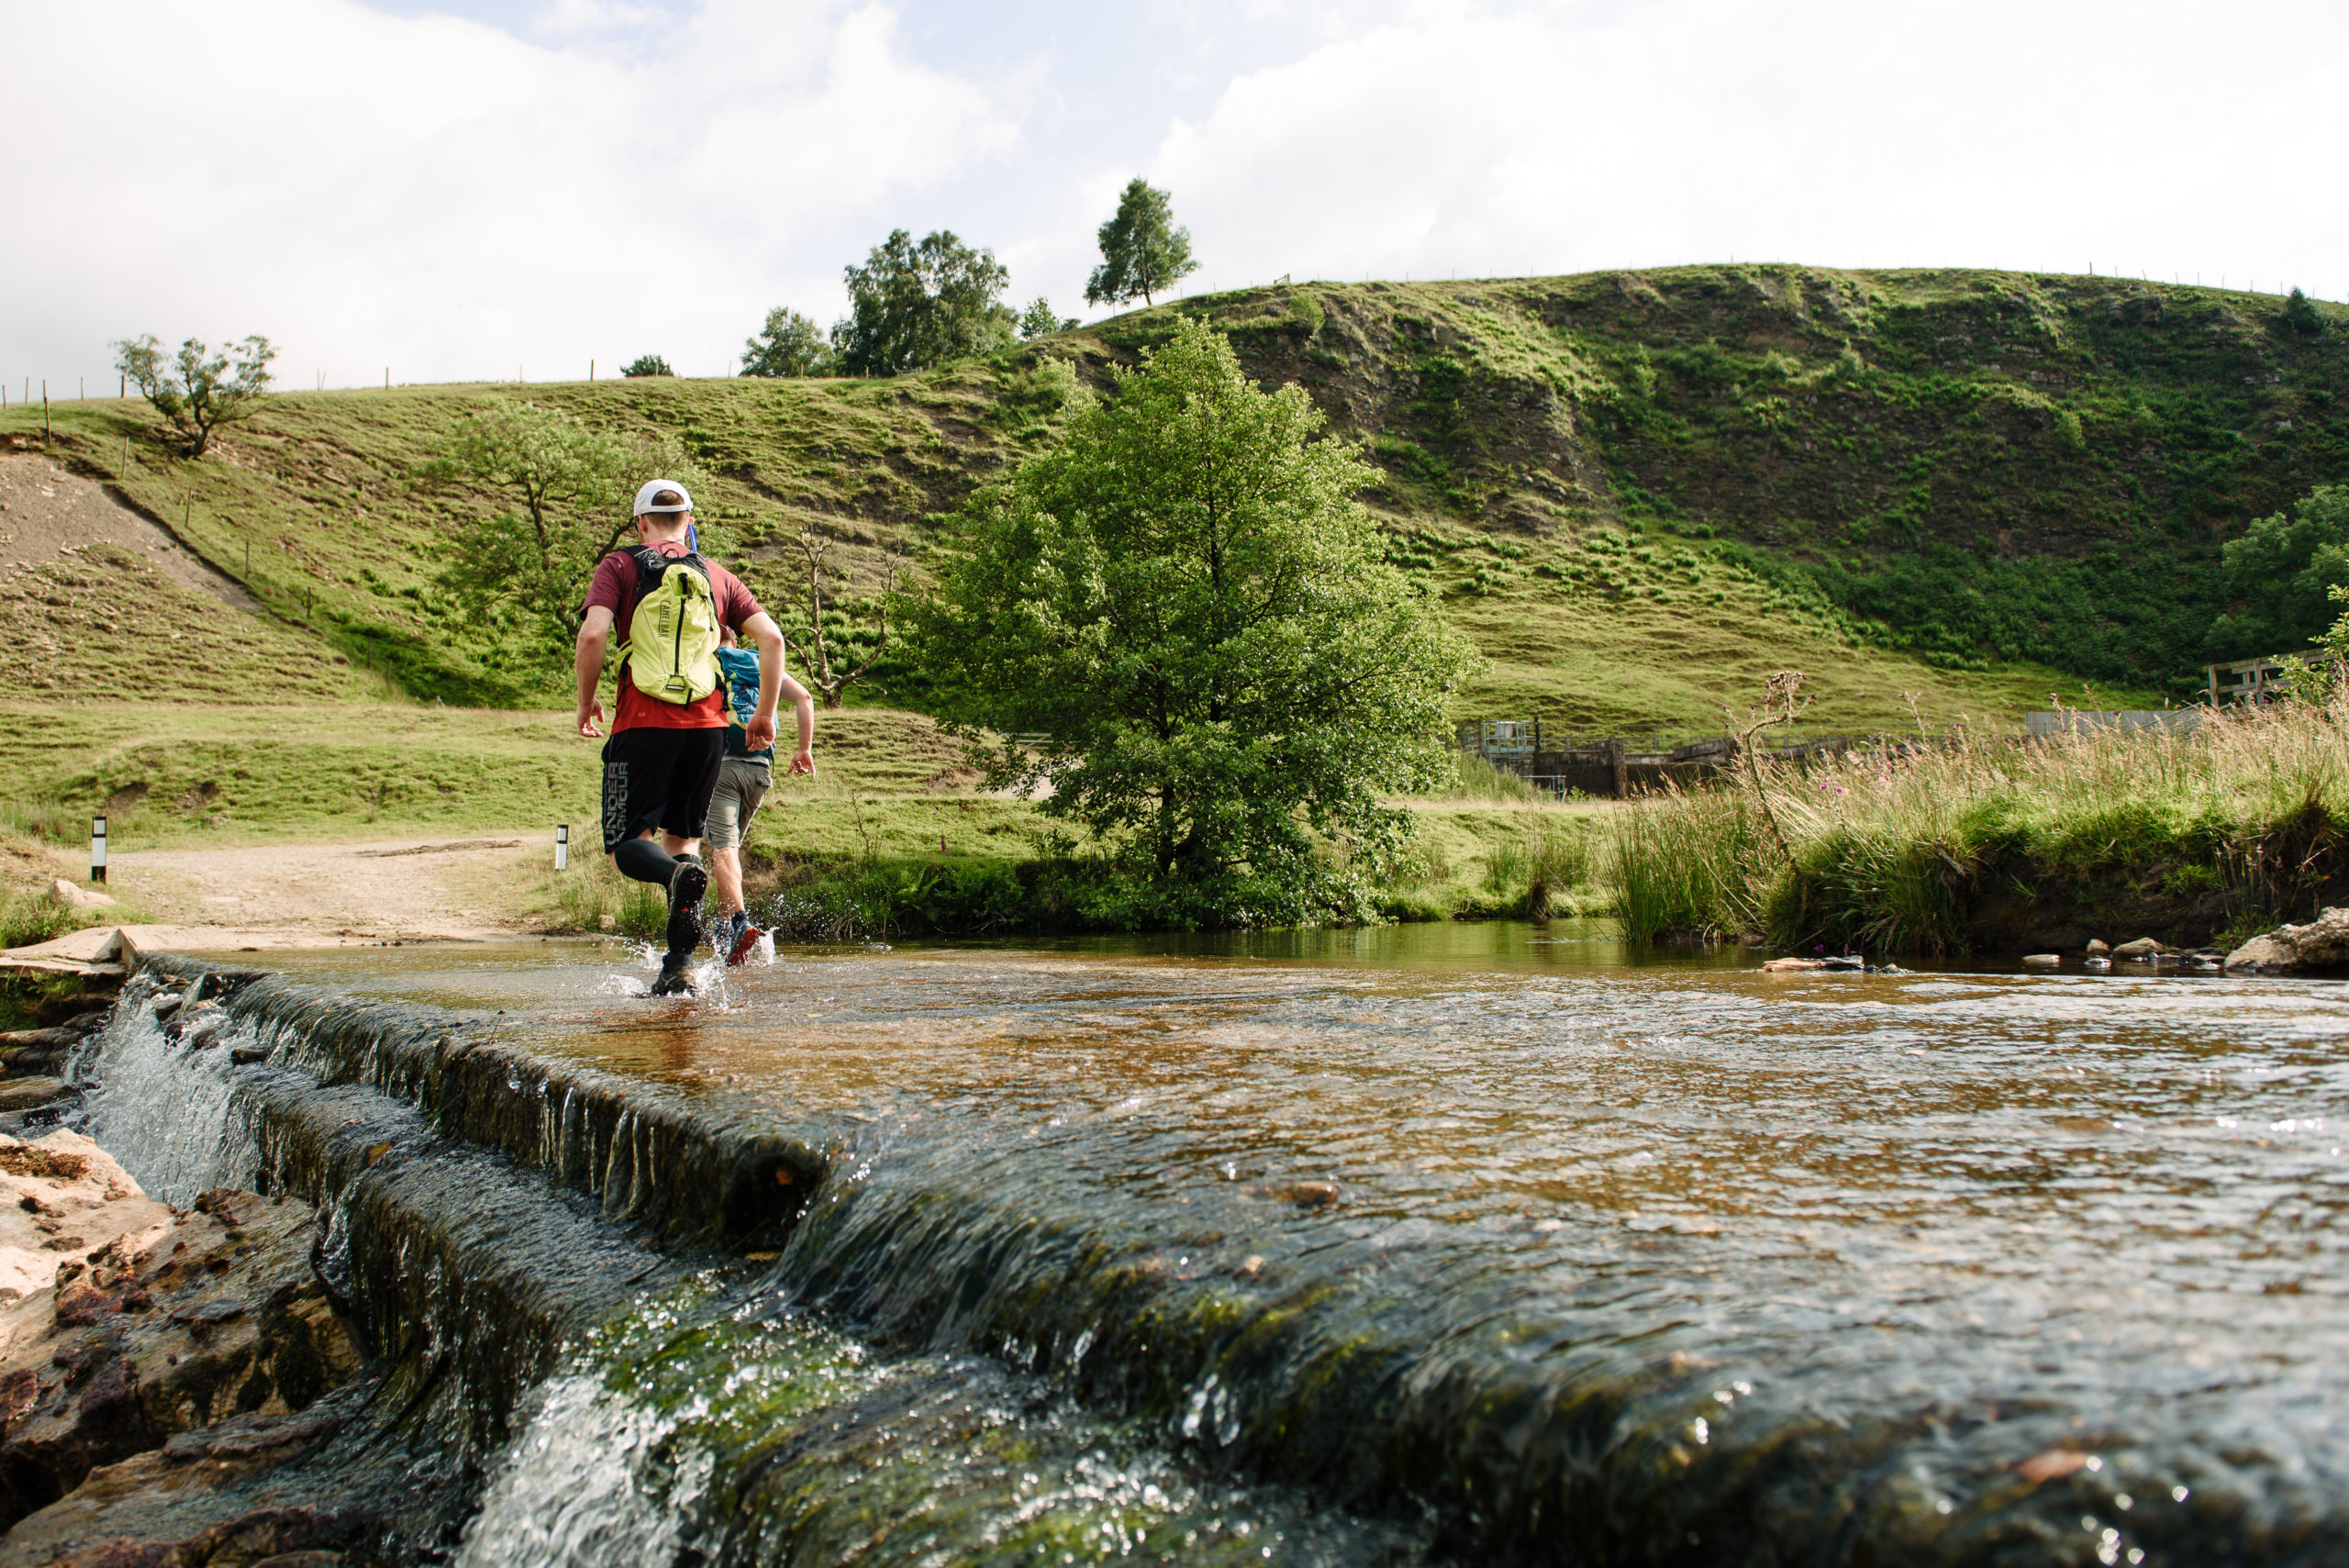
(587, 1483)
(706, 978)
(162, 1108)
(831, 1453)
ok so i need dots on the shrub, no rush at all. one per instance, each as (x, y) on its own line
(1475, 778)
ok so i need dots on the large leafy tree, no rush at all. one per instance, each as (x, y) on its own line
(2277, 574)
(565, 488)
(1182, 615)
(912, 306)
(788, 345)
(198, 391)
(1142, 253)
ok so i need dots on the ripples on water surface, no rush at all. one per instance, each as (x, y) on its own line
(1620, 1257)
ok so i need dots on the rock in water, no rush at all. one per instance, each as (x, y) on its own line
(2043, 960)
(24, 1093)
(2322, 943)
(2097, 947)
(2142, 947)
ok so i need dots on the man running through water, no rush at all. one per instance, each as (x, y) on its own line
(743, 779)
(668, 736)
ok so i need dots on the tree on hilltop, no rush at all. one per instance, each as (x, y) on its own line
(647, 365)
(2300, 315)
(1041, 320)
(790, 344)
(197, 392)
(913, 305)
(1186, 618)
(1142, 253)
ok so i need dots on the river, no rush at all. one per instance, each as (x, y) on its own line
(1450, 1243)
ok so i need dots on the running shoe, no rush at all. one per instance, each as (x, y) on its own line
(686, 884)
(675, 980)
(746, 937)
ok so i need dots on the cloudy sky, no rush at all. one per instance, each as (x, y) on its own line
(470, 189)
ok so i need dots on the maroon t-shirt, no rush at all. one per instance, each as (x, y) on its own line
(615, 589)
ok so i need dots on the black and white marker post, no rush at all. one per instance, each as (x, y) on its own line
(97, 849)
(561, 845)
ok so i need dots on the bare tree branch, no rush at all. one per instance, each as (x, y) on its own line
(832, 684)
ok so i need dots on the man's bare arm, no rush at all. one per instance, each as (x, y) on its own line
(587, 663)
(758, 734)
(803, 706)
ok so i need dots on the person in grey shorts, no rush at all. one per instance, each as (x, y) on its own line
(743, 778)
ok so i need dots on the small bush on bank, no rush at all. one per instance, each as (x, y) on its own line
(588, 891)
(30, 918)
(1476, 779)
(1900, 850)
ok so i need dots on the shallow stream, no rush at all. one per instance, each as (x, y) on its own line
(1454, 1243)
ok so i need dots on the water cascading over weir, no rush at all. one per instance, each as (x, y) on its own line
(1007, 1257)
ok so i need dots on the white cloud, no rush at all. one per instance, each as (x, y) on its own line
(613, 177)
(1548, 140)
(449, 198)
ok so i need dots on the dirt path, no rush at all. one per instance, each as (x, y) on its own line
(273, 895)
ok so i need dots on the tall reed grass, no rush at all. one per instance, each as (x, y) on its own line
(1475, 778)
(1891, 847)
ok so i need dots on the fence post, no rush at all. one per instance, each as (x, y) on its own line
(1615, 749)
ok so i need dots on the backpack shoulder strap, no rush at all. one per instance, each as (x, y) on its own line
(650, 565)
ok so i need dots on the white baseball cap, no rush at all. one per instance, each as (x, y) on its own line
(653, 487)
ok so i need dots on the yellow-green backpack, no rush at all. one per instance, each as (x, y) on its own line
(672, 638)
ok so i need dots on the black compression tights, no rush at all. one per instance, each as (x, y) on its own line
(643, 860)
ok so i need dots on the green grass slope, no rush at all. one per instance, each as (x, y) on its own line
(1974, 467)
(1638, 490)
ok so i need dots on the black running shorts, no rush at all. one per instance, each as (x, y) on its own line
(659, 779)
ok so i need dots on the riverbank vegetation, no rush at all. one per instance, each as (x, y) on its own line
(1979, 842)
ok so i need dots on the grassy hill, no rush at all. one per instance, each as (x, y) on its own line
(1638, 490)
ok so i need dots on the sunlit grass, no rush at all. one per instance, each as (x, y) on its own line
(1891, 845)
